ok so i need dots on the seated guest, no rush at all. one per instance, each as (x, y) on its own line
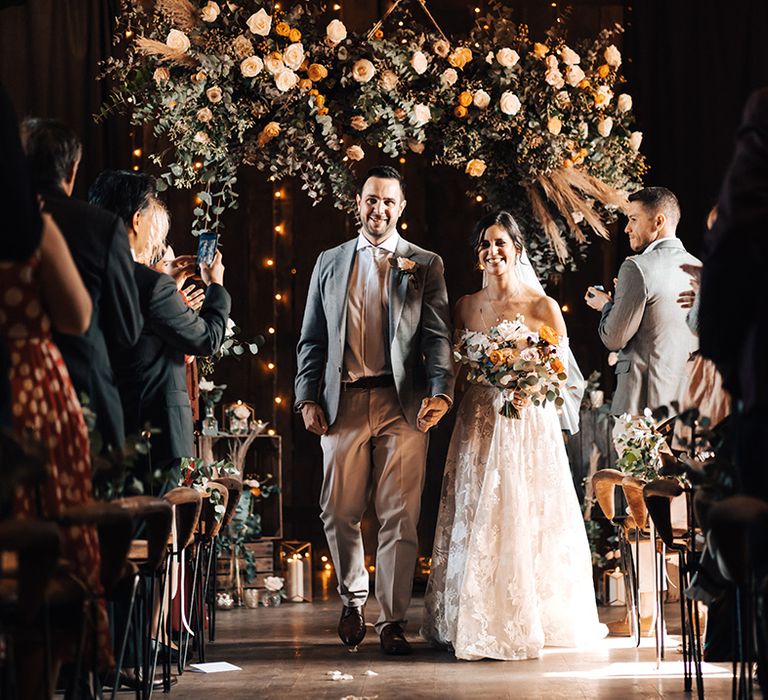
(100, 249)
(151, 376)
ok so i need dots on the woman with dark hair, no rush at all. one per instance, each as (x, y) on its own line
(511, 566)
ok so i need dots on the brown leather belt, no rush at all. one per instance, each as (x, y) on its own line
(378, 382)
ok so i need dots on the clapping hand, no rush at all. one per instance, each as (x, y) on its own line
(180, 268)
(432, 410)
(687, 297)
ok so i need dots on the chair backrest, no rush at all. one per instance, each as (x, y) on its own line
(210, 521)
(604, 484)
(36, 544)
(235, 489)
(738, 531)
(187, 505)
(658, 495)
(154, 516)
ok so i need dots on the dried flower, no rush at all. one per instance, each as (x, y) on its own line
(416, 146)
(441, 48)
(199, 77)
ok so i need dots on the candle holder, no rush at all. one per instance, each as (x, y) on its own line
(296, 566)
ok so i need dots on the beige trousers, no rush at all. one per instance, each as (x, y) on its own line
(372, 449)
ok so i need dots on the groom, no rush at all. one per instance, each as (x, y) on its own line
(374, 375)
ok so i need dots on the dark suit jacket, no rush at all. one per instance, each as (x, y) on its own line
(152, 376)
(99, 246)
(733, 313)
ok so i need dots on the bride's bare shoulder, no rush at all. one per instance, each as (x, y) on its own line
(548, 310)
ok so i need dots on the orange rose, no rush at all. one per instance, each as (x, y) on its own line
(320, 101)
(496, 357)
(256, 491)
(460, 57)
(295, 35)
(282, 29)
(378, 35)
(604, 71)
(317, 72)
(322, 111)
(558, 366)
(567, 163)
(460, 111)
(465, 99)
(540, 50)
(548, 334)
(305, 84)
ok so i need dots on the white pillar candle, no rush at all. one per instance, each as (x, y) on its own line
(295, 580)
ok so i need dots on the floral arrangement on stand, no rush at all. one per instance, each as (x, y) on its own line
(638, 443)
(196, 474)
(540, 128)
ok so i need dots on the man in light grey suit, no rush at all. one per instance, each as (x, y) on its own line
(647, 327)
(375, 373)
(644, 323)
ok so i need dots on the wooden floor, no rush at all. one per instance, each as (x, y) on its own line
(287, 652)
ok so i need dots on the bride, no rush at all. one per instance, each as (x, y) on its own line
(511, 566)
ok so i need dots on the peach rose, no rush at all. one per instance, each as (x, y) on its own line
(569, 56)
(201, 137)
(554, 125)
(449, 77)
(358, 123)
(388, 80)
(251, 67)
(242, 47)
(510, 103)
(612, 56)
(419, 62)
(214, 94)
(336, 32)
(293, 56)
(604, 126)
(204, 115)
(422, 114)
(317, 72)
(363, 70)
(507, 58)
(635, 139)
(355, 153)
(624, 102)
(475, 167)
(210, 12)
(274, 62)
(269, 132)
(416, 146)
(286, 80)
(481, 99)
(177, 40)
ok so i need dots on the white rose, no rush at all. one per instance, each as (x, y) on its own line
(624, 102)
(507, 57)
(603, 96)
(574, 75)
(635, 139)
(177, 40)
(273, 64)
(510, 103)
(293, 56)
(355, 153)
(389, 80)
(612, 56)
(363, 70)
(206, 385)
(554, 125)
(336, 31)
(481, 99)
(489, 58)
(569, 56)
(419, 62)
(286, 80)
(555, 78)
(259, 23)
(210, 12)
(201, 137)
(422, 114)
(604, 126)
(251, 66)
(273, 583)
(449, 77)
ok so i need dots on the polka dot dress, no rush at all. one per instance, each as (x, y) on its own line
(44, 402)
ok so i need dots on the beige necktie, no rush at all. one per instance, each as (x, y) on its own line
(374, 331)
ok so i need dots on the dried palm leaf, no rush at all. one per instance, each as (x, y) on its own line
(238, 450)
(182, 13)
(551, 229)
(152, 47)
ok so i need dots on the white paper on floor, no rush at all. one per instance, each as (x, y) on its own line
(338, 676)
(214, 667)
(371, 673)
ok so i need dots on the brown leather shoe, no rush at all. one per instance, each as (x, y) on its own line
(393, 641)
(351, 626)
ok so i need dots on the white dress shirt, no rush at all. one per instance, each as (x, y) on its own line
(366, 349)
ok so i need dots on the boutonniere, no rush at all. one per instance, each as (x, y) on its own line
(404, 267)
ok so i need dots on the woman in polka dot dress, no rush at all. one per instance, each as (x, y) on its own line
(46, 290)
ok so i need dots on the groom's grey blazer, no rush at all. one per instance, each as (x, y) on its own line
(647, 326)
(419, 341)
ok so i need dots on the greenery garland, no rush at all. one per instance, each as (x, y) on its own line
(538, 126)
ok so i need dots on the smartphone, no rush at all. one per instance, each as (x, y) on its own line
(598, 287)
(206, 248)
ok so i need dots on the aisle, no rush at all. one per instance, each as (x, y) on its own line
(286, 652)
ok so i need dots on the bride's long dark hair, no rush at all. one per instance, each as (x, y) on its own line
(499, 218)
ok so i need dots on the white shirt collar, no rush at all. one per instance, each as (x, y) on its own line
(390, 245)
(651, 246)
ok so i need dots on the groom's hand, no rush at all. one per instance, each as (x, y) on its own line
(314, 418)
(432, 410)
(596, 298)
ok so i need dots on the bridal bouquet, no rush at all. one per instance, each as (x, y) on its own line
(512, 358)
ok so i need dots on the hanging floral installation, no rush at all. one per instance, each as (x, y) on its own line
(541, 129)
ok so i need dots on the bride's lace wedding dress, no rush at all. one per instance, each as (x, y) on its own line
(511, 567)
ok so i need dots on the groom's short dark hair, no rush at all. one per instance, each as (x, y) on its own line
(659, 200)
(385, 172)
(51, 147)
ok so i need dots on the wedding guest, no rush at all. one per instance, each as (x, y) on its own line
(733, 314)
(151, 375)
(646, 326)
(100, 250)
